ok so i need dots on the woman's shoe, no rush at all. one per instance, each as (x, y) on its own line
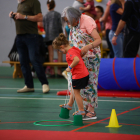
(52, 76)
(90, 115)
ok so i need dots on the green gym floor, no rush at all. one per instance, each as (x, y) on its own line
(18, 112)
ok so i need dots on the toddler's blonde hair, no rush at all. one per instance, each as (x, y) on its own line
(60, 40)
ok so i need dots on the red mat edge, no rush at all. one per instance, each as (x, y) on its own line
(62, 135)
(109, 93)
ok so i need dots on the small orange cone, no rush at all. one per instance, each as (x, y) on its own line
(113, 120)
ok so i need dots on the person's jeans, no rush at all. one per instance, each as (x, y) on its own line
(118, 49)
(28, 49)
(111, 53)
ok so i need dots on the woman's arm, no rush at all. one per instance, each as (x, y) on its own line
(119, 29)
(97, 41)
(122, 2)
(121, 10)
(104, 18)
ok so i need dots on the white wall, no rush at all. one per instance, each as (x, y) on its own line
(7, 26)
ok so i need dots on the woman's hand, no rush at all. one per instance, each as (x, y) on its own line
(114, 40)
(84, 50)
(68, 69)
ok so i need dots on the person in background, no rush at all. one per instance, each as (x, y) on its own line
(41, 30)
(42, 48)
(77, 4)
(67, 31)
(83, 35)
(106, 18)
(131, 19)
(53, 27)
(116, 11)
(27, 42)
(100, 25)
(89, 8)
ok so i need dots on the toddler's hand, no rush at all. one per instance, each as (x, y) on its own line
(100, 19)
(81, 8)
(68, 69)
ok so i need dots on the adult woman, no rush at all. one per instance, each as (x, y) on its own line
(83, 34)
(53, 27)
(116, 10)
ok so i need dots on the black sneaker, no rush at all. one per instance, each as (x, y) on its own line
(60, 76)
(52, 76)
(89, 116)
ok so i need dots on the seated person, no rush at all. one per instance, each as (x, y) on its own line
(100, 25)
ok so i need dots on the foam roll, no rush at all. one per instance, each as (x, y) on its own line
(119, 74)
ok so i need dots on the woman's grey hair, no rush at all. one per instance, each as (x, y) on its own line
(72, 14)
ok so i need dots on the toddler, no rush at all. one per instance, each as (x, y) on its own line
(76, 66)
(89, 8)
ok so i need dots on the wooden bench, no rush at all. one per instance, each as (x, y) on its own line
(17, 69)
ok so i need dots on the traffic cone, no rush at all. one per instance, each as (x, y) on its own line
(113, 120)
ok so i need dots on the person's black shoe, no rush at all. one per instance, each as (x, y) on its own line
(52, 76)
(60, 76)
